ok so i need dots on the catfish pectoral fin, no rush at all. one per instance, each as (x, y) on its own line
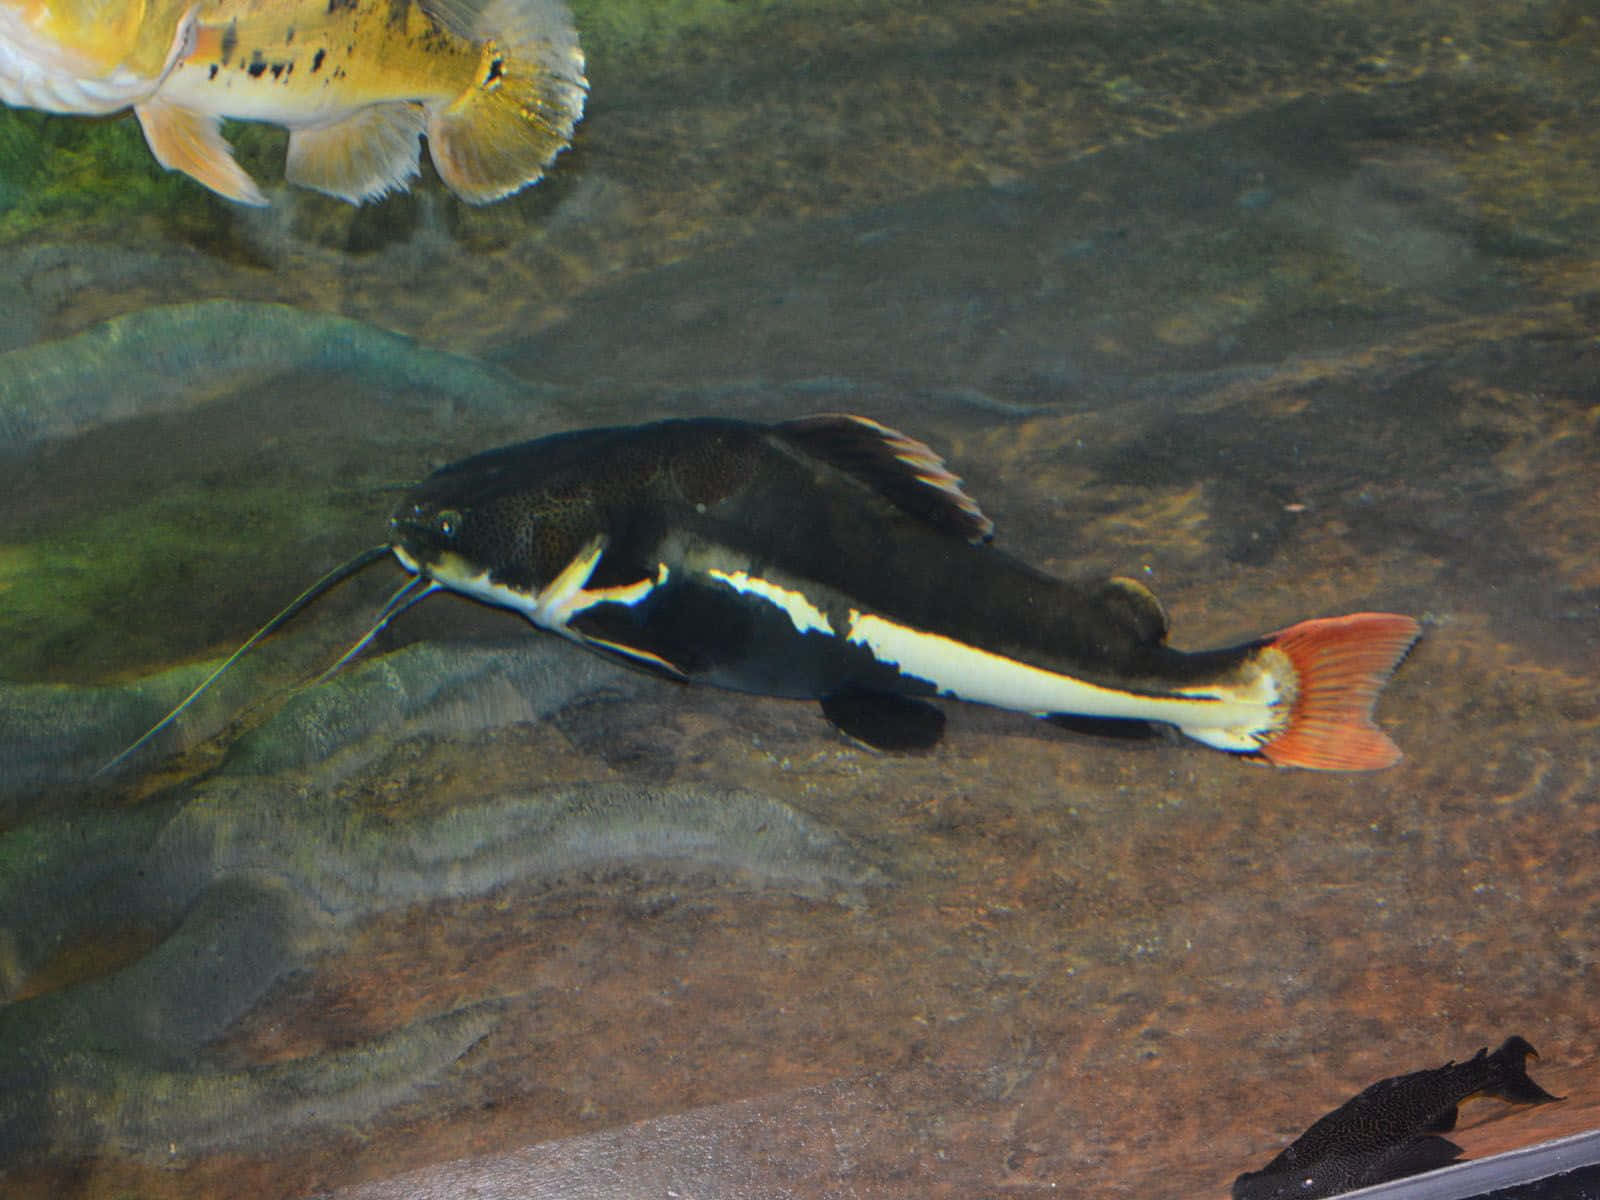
(635, 656)
(885, 721)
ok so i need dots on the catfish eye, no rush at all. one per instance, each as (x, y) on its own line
(447, 522)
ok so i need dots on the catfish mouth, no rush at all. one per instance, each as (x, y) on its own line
(407, 559)
(414, 538)
(424, 533)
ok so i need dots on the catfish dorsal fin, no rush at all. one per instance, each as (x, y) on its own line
(908, 473)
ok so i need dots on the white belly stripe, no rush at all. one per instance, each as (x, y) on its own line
(805, 616)
(968, 673)
(1238, 715)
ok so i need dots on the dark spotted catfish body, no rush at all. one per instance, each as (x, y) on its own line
(1391, 1129)
(835, 559)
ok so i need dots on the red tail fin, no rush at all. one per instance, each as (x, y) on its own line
(1340, 664)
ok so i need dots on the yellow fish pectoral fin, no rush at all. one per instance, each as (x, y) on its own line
(191, 142)
(365, 156)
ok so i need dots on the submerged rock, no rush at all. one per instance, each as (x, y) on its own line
(245, 876)
(424, 689)
(54, 737)
(169, 358)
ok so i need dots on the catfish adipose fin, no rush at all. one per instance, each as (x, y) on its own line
(1391, 1130)
(837, 560)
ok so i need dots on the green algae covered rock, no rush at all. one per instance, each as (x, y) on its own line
(174, 356)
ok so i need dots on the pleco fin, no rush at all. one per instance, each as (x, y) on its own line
(1444, 1121)
(908, 473)
(367, 155)
(885, 721)
(1427, 1153)
(191, 142)
(1509, 1077)
(526, 97)
(1339, 665)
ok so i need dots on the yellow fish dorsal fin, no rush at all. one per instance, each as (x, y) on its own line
(519, 111)
(370, 153)
(191, 142)
(460, 17)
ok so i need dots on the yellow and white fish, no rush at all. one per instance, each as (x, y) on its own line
(497, 85)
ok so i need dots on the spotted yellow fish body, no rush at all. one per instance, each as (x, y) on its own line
(88, 56)
(497, 85)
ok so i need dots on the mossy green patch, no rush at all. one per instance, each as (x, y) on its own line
(138, 585)
(58, 170)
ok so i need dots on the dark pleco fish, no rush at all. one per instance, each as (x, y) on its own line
(1391, 1130)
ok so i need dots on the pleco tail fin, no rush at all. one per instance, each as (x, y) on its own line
(1508, 1074)
(519, 113)
(1339, 666)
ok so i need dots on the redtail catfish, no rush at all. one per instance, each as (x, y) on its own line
(832, 558)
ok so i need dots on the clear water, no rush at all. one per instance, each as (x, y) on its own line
(1287, 310)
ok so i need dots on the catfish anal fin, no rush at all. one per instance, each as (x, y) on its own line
(191, 142)
(885, 721)
(1122, 729)
(908, 473)
(1444, 1122)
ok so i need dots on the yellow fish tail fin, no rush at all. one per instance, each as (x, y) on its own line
(367, 155)
(191, 142)
(526, 97)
